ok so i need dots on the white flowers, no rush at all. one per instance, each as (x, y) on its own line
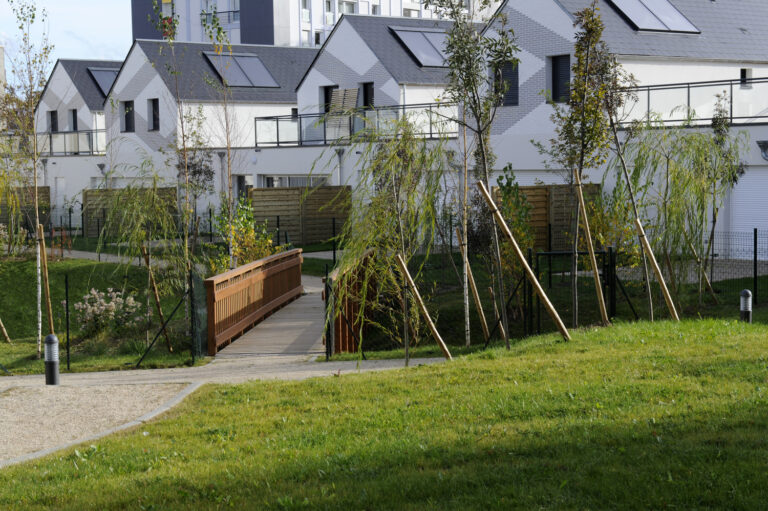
(99, 311)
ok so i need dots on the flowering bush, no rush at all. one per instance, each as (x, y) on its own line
(99, 311)
(18, 242)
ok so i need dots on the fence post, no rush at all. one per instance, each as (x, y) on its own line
(66, 305)
(612, 280)
(529, 297)
(538, 300)
(754, 266)
(70, 221)
(193, 316)
(328, 333)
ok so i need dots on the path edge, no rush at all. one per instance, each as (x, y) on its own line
(175, 400)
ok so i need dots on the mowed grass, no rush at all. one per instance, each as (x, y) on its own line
(637, 416)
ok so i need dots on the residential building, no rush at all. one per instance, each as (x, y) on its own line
(72, 137)
(2, 68)
(275, 22)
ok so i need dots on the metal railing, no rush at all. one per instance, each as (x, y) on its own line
(432, 120)
(225, 17)
(747, 101)
(68, 143)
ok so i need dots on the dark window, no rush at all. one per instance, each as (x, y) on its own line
(328, 96)
(269, 182)
(53, 121)
(318, 38)
(368, 95)
(129, 125)
(73, 120)
(561, 78)
(154, 114)
(509, 84)
(294, 113)
(746, 76)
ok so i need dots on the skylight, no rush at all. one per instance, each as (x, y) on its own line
(428, 47)
(654, 15)
(104, 77)
(242, 70)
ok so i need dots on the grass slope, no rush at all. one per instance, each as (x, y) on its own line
(636, 416)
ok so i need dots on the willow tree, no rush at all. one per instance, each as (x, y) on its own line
(475, 58)
(29, 66)
(394, 210)
(582, 136)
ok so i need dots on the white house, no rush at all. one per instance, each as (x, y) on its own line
(71, 131)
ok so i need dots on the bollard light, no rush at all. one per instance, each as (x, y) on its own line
(746, 306)
(52, 360)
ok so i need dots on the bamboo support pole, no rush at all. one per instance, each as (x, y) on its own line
(5, 333)
(157, 296)
(473, 287)
(422, 307)
(496, 313)
(46, 286)
(591, 249)
(656, 270)
(519, 253)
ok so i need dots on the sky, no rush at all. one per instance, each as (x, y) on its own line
(78, 29)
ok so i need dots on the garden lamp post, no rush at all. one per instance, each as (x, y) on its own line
(746, 306)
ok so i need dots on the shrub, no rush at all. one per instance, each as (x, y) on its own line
(110, 312)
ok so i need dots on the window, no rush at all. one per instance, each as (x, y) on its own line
(53, 121)
(744, 79)
(241, 70)
(427, 47)
(127, 117)
(561, 78)
(328, 96)
(73, 120)
(318, 38)
(306, 38)
(508, 83)
(368, 95)
(346, 7)
(411, 13)
(294, 113)
(375, 10)
(305, 17)
(153, 114)
(654, 15)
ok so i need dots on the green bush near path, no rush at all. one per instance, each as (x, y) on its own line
(637, 416)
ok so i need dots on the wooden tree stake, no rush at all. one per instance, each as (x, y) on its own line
(591, 249)
(656, 270)
(46, 287)
(423, 308)
(157, 297)
(473, 287)
(496, 313)
(5, 333)
(519, 253)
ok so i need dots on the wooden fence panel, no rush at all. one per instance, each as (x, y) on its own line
(305, 221)
(240, 298)
(97, 205)
(346, 329)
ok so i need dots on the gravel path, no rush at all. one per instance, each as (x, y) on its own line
(37, 418)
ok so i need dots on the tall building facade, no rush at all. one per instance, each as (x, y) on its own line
(304, 23)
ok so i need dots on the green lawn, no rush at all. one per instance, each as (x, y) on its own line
(19, 314)
(637, 416)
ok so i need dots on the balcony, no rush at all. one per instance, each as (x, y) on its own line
(430, 121)
(72, 143)
(747, 101)
(225, 17)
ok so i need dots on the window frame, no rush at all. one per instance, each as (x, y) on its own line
(53, 121)
(153, 114)
(556, 82)
(128, 117)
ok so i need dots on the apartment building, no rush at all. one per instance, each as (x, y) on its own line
(304, 23)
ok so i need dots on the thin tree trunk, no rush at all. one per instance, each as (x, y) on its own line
(575, 268)
(38, 263)
(623, 162)
(463, 240)
(496, 247)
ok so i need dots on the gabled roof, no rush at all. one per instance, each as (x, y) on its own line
(404, 68)
(83, 80)
(734, 30)
(285, 64)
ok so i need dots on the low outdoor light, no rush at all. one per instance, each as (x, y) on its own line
(52, 360)
(746, 306)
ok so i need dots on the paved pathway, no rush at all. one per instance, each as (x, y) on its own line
(283, 347)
